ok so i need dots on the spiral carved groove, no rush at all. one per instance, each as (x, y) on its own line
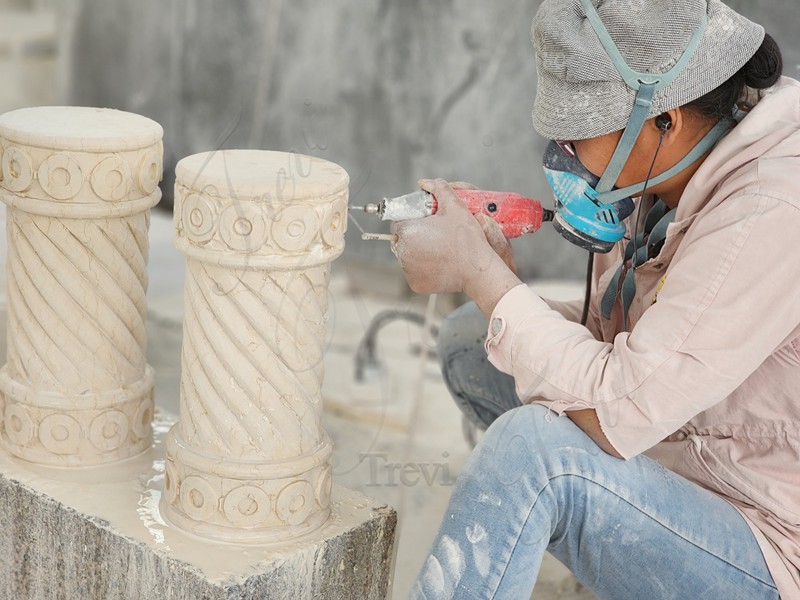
(64, 338)
(256, 394)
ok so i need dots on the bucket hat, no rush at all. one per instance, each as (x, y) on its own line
(581, 94)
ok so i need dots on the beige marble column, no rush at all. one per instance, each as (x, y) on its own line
(248, 460)
(78, 184)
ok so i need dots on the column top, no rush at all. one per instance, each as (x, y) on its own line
(261, 175)
(258, 209)
(79, 128)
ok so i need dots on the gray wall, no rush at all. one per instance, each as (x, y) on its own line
(391, 90)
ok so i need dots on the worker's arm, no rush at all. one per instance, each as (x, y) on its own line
(486, 296)
(689, 351)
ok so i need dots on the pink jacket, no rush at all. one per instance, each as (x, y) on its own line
(707, 381)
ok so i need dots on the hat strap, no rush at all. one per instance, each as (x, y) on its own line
(645, 85)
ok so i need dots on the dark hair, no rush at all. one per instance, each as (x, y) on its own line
(762, 71)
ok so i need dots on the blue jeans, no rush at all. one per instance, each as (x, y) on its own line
(535, 483)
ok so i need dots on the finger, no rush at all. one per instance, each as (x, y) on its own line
(492, 231)
(446, 198)
(462, 185)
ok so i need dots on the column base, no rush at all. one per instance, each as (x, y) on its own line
(98, 533)
(246, 501)
(96, 428)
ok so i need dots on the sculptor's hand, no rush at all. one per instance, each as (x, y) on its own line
(449, 251)
(492, 230)
(498, 242)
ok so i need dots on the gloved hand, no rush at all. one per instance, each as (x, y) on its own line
(449, 251)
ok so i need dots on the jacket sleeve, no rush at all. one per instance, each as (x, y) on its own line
(729, 301)
(571, 310)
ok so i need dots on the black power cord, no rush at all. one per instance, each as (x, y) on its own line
(587, 297)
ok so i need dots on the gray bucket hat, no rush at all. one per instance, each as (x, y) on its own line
(580, 94)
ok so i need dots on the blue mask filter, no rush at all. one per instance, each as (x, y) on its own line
(580, 217)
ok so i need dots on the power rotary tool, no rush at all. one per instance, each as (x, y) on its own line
(516, 214)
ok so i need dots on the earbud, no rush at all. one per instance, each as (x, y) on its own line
(664, 122)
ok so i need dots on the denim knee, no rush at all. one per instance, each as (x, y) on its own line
(480, 391)
(463, 329)
(535, 435)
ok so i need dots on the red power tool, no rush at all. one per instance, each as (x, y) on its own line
(516, 214)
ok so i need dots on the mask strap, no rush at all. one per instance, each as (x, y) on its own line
(704, 145)
(641, 108)
(634, 78)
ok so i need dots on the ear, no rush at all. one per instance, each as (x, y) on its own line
(670, 124)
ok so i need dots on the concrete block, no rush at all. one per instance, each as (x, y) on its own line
(97, 533)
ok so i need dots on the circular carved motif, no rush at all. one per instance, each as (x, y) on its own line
(110, 179)
(148, 173)
(60, 176)
(246, 506)
(60, 434)
(322, 488)
(170, 482)
(18, 424)
(109, 430)
(295, 502)
(17, 170)
(143, 418)
(199, 216)
(334, 222)
(295, 227)
(198, 499)
(242, 227)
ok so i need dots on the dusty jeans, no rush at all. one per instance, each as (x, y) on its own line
(535, 483)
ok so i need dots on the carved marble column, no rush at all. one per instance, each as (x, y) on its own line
(78, 184)
(248, 460)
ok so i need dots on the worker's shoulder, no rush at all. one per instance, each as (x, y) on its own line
(766, 185)
(779, 178)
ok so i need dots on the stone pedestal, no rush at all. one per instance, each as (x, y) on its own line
(96, 534)
(249, 460)
(78, 183)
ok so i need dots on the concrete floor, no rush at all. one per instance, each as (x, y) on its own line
(397, 435)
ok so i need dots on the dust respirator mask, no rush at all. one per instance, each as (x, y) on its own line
(589, 210)
(579, 216)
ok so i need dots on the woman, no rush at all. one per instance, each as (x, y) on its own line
(654, 450)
